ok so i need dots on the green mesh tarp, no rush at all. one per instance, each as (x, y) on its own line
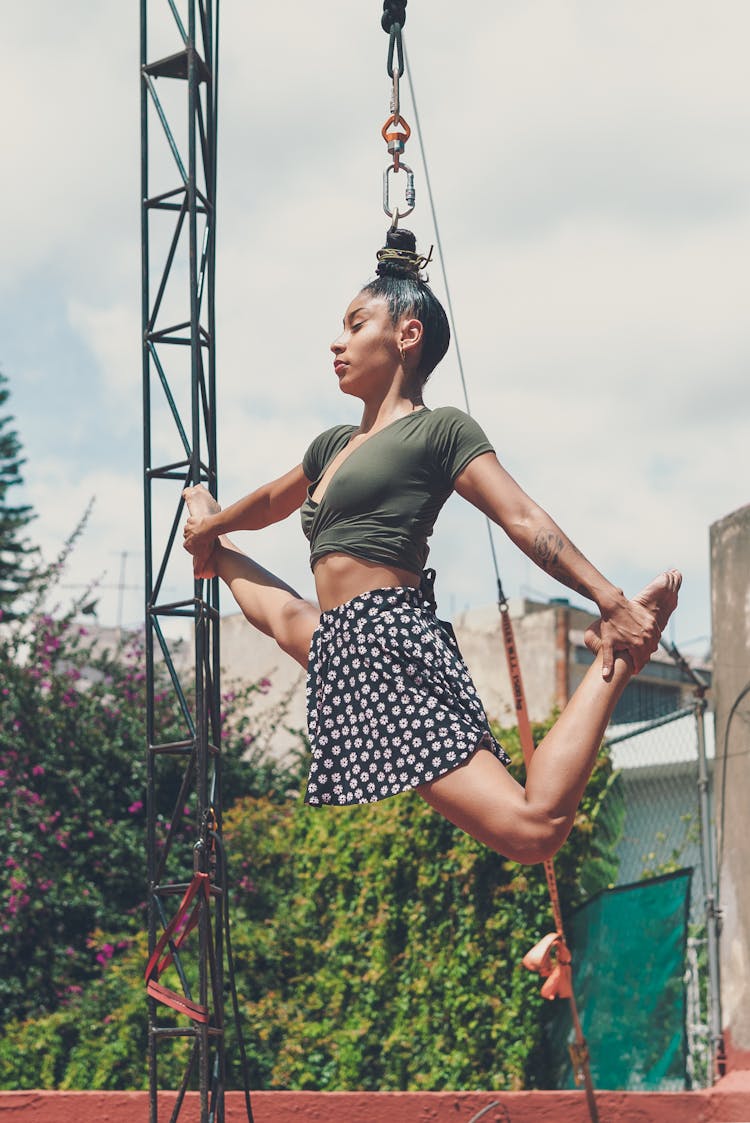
(628, 948)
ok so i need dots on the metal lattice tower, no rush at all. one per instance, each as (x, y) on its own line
(178, 181)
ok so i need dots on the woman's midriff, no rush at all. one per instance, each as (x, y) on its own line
(339, 578)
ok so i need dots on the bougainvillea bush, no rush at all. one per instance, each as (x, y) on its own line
(72, 792)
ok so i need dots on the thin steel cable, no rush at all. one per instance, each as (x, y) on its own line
(448, 301)
(726, 754)
(502, 602)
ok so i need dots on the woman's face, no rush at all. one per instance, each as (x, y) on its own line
(367, 355)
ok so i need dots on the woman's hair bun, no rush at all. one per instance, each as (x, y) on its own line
(400, 239)
(399, 257)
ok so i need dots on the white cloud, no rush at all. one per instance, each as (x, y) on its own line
(592, 177)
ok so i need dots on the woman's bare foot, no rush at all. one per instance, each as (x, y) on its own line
(659, 598)
(199, 539)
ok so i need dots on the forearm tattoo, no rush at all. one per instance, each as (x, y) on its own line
(548, 549)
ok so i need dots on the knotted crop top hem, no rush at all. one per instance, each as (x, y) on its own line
(382, 501)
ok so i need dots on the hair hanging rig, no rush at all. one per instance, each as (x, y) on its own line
(396, 131)
(399, 256)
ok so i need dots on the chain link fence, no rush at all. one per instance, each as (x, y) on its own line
(659, 765)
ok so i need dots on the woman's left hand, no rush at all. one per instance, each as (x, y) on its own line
(626, 627)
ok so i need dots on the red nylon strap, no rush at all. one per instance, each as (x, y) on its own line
(558, 975)
(177, 1001)
(516, 682)
(526, 738)
(157, 965)
(554, 896)
(551, 959)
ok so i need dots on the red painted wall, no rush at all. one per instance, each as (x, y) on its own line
(728, 1102)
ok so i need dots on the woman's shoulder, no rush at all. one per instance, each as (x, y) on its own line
(331, 436)
(323, 447)
(334, 433)
(447, 413)
(452, 419)
(455, 438)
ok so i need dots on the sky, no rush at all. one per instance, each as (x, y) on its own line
(591, 172)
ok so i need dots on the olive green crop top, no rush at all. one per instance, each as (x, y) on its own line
(382, 502)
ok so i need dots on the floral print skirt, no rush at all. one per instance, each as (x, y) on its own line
(390, 702)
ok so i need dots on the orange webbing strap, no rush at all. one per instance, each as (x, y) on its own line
(516, 684)
(557, 974)
(199, 887)
(551, 957)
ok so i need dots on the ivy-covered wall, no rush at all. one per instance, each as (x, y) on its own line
(376, 948)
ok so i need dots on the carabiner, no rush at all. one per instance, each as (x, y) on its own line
(409, 194)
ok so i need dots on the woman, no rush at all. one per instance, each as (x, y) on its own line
(390, 702)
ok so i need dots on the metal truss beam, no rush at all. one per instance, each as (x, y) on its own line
(178, 216)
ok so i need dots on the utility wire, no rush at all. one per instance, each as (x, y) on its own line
(448, 301)
(732, 713)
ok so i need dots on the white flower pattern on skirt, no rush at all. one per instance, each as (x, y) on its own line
(390, 702)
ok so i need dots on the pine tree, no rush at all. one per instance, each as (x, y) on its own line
(18, 565)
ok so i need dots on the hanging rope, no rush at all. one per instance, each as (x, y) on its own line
(551, 957)
(396, 130)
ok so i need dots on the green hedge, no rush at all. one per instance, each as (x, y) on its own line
(376, 947)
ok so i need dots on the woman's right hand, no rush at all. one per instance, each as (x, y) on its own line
(199, 535)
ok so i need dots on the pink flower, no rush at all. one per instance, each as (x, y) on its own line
(135, 807)
(37, 770)
(106, 953)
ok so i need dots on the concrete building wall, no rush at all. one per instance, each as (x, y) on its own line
(549, 638)
(249, 656)
(730, 604)
(480, 638)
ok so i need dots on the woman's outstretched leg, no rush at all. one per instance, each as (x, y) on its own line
(266, 601)
(530, 824)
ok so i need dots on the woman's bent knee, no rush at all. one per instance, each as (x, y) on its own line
(541, 841)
